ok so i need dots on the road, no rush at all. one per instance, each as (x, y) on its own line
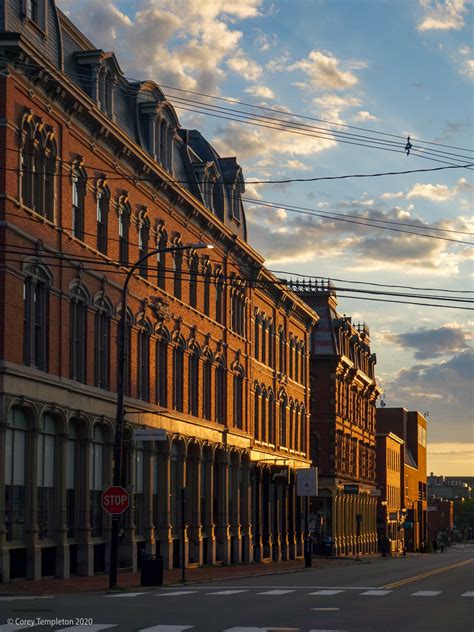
(428, 593)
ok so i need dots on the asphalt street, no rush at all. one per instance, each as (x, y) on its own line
(432, 593)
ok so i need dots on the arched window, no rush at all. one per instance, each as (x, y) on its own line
(271, 345)
(291, 352)
(263, 418)
(271, 418)
(178, 375)
(193, 280)
(46, 477)
(102, 318)
(178, 266)
(257, 335)
(143, 238)
(15, 474)
(39, 171)
(143, 374)
(193, 382)
(124, 230)
(219, 281)
(49, 177)
(221, 391)
(78, 334)
(36, 317)
(303, 440)
(282, 351)
(297, 422)
(291, 427)
(162, 370)
(264, 340)
(79, 188)
(103, 203)
(161, 244)
(127, 378)
(283, 420)
(206, 386)
(303, 365)
(207, 286)
(164, 144)
(27, 153)
(256, 414)
(239, 399)
(97, 480)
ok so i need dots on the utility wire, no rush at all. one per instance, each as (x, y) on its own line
(273, 119)
(131, 91)
(95, 259)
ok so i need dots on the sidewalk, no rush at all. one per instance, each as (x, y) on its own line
(128, 580)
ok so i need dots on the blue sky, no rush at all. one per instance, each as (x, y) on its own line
(398, 67)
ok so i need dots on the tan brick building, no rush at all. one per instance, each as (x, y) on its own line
(390, 481)
(411, 426)
(95, 172)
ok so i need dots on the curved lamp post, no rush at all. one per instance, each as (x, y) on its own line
(117, 459)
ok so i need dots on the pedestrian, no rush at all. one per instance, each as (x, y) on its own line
(435, 545)
(442, 546)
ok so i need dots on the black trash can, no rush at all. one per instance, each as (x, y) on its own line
(152, 570)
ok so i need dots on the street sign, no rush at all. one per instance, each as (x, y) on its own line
(307, 481)
(150, 434)
(351, 489)
(281, 474)
(115, 500)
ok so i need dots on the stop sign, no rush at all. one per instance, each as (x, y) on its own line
(115, 500)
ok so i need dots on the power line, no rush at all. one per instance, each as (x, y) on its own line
(71, 163)
(292, 124)
(71, 262)
(95, 259)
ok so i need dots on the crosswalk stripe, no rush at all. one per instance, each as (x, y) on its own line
(275, 592)
(469, 593)
(22, 598)
(376, 593)
(90, 628)
(177, 593)
(226, 592)
(326, 592)
(167, 628)
(426, 593)
(127, 594)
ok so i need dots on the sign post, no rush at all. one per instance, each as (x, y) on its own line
(358, 523)
(307, 485)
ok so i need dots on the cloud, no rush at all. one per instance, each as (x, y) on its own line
(245, 67)
(392, 196)
(331, 106)
(439, 192)
(442, 16)
(324, 71)
(183, 43)
(432, 343)
(261, 91)
(449, 384)
(364, 116)
(468, 68)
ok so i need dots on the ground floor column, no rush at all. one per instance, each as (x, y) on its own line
(85, 549)
(209, 553)
(193, 477)
(235, 531)
(257, 526)
(62, 546)
(246, 509)
(163, 519)
(149, 483)
(222, 526)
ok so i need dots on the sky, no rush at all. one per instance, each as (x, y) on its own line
(363, 73)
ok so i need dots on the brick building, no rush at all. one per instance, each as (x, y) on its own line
(410, 426)
(343, 396)
(390, 457)
(95, 172)
(440, 518)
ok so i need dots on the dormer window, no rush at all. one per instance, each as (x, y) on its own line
(35, 11)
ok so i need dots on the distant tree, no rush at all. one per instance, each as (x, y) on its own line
(464, 514)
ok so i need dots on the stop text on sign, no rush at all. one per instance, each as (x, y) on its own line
(115, 500)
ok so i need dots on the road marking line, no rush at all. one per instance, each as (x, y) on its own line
(325, 608)
(226, 592)
(167, 628)
(326, 592)
(469, 593)
(318, 630)
(376, 593)
(127, 594)
(276, 592)
(21, 598)
(435, 571)
(426, 593)
(177, 593)
(240, 628)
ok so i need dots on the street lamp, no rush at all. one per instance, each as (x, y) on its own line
(117, 459)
